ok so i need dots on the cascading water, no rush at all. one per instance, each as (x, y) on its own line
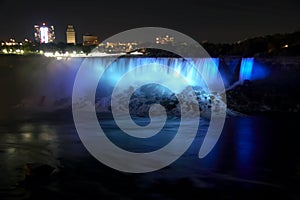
(201, 73)
(40, 83)
(204, 69)
(208, 67)
(246, 69)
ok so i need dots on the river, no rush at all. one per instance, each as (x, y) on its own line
(255, 156)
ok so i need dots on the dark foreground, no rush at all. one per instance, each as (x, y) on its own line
(255, 158)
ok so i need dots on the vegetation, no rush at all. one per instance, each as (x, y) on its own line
(270, 45)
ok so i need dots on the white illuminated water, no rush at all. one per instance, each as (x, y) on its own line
(246, 69)
(197, 72)
(47, 84)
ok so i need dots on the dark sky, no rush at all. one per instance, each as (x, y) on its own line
(212, 20)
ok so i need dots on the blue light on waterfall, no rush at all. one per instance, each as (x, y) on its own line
(246, 69)
(195, 72)
(252, 70)
(210, 68)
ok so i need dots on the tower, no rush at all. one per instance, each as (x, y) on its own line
(44, 34)
(71, 35)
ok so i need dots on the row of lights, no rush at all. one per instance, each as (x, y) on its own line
(67, 54)
(12, 42)
(11, 51)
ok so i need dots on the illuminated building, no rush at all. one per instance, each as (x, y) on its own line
(117, 47)
(89, 39)
(165, 40)
(44, 34)
(70, 35)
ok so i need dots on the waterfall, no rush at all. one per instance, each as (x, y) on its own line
(246, 69)
(46, 84)
(195, 72)
(208, 68)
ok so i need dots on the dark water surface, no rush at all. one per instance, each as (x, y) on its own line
(256, 157)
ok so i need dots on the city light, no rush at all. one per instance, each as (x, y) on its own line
(44, 34)
(165, 40)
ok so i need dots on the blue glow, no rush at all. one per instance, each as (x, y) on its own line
(233, 64)
(259, 71)
(245, 145)
(252, 70)
(246, 69)
(198, 72)
(209, 68)
(194, 71)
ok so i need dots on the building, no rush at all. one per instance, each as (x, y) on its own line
(44, 34)
(89, 39)
(70, 35)
(165, 40)
(118, 47)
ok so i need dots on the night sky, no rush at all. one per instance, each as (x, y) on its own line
(212, 20)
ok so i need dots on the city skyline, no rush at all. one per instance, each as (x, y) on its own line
(213, 20)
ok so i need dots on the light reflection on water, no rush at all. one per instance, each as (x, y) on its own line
(245, 143)
(250, 149)
(25, 143)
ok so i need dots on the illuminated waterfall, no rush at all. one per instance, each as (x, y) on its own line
(208, 67)
(246, 69)
(50, 87)
(194, 72)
